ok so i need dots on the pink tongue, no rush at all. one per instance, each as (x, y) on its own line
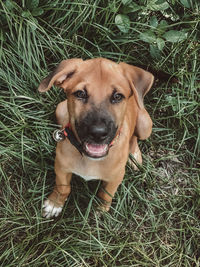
(96, 148)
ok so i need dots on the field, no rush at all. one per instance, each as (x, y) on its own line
(155, 215)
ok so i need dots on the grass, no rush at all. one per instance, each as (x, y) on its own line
(154, 219)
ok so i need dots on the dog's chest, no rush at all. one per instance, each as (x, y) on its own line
(87, 177)
(89, 169)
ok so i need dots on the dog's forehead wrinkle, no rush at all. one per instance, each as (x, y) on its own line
(100, 69)
(108, 68)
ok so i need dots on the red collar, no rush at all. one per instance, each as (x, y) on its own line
(68, 126)
(116, 137)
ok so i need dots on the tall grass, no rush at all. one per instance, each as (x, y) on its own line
(154, 219)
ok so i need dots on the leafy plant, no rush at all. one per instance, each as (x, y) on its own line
(154, 219)
(29, 8)
(160, 29)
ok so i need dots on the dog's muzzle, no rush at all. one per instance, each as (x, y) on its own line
(96, 133)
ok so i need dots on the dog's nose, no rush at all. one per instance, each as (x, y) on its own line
(98, 132)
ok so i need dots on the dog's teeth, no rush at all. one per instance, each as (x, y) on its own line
(96, 149)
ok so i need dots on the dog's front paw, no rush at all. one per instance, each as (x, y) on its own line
(50, 209)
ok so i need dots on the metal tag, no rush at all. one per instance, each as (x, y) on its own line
(58, 135)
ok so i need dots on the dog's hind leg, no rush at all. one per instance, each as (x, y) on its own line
(134, 152)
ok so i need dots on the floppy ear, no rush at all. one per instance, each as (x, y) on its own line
(63, 71)
(140, 82)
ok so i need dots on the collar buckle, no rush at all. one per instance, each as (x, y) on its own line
(58, 135)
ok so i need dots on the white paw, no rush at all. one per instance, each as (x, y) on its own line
(50, 210)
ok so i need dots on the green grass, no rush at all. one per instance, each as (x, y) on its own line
(154, 219)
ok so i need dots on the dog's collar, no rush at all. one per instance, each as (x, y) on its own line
(60, 135)
(72, 138)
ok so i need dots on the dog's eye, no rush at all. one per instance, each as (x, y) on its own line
(81, 94)
(116, 98)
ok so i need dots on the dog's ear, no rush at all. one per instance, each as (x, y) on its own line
(140, 82)
(143, 127)
(65, 70)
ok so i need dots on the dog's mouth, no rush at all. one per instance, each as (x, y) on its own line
(95, 150)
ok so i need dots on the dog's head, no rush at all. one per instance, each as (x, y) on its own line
(98, 92)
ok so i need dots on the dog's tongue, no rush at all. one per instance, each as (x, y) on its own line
(96, 150)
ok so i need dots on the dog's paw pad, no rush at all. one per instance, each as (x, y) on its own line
(50, 210)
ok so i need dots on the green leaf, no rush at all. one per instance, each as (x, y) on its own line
(155, 52)
(174, 36)
(186, 3)
(148, 37)
(158, 5)
(133, 7)
(122, 22)
(163, 23)
(162, 27)
(153, 22)
(160, 43)
(32, 4)
(9, 4)
(173, 102)
(26, 14)
(37, 12)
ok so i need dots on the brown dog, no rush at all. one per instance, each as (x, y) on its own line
(103, 116)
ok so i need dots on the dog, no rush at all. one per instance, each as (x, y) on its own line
(102, 118)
